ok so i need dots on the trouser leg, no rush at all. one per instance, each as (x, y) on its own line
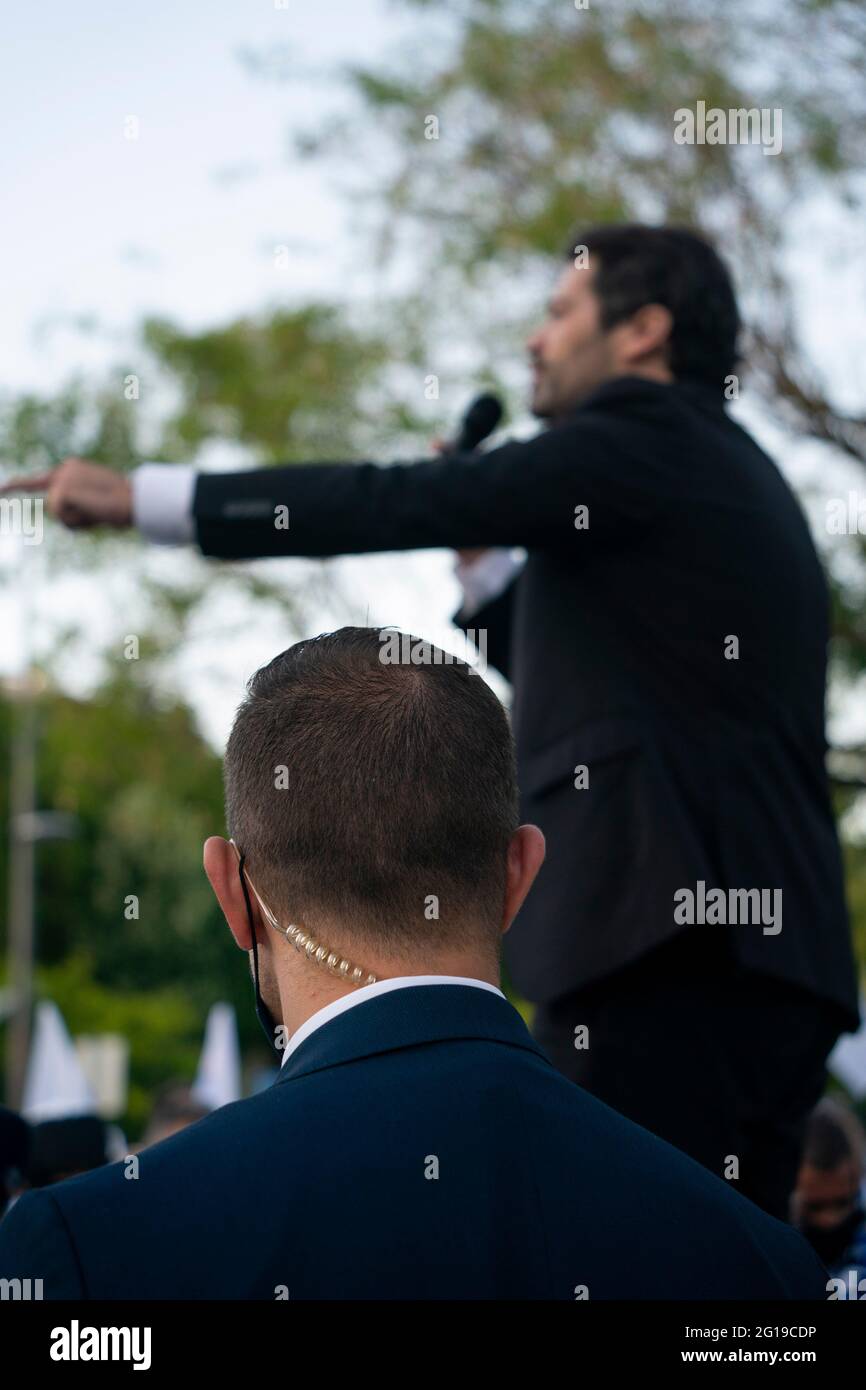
(721, 1063)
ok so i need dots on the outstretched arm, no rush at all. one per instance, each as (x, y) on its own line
(575, 486)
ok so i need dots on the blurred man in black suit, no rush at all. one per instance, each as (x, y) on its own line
(687, 945)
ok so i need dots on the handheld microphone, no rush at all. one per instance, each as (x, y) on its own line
(480, 419)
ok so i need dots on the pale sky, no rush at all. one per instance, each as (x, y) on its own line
(182, 220)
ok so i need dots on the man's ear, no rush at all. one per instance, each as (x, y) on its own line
(646, 333)
(221, 867)
(526, 852)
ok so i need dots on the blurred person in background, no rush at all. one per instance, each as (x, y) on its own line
(14, 1152)
(174, 1108)
(61, 1148)
(829, 1201)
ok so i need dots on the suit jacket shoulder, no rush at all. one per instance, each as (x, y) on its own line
(418, 1146)
(35, 1246)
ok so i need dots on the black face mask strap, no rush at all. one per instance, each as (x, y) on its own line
(263, 1013)
(246, 893)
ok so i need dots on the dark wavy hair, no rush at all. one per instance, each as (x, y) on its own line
(636, 265)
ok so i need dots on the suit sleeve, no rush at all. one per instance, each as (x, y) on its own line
(526, 493)
(494, 618)
(35, 1244)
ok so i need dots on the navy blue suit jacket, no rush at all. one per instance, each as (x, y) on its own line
(418, 1146)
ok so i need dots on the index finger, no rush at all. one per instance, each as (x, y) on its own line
(30, 482)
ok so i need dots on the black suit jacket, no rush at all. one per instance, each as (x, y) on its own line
(417, 1146)
(701, 767)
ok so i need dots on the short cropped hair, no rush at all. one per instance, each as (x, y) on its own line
(375, 793)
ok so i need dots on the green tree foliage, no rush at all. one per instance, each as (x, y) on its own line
(288, 386)
(129, 935)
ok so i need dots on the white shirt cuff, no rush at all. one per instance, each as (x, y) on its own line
(162, 496)
(485, 578)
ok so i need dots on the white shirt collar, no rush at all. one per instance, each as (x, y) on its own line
(358, 996)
